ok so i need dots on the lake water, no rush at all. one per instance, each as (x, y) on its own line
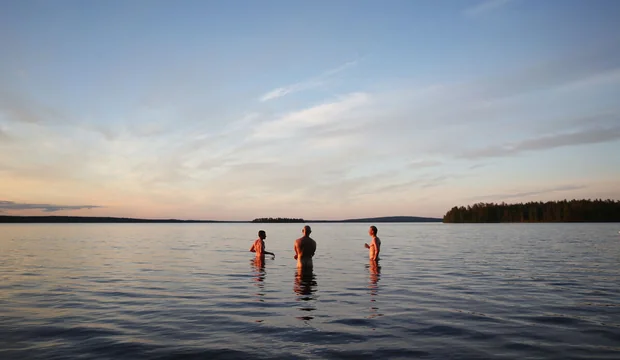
(168, 291)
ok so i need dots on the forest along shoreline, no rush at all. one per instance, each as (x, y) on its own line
(550, 211)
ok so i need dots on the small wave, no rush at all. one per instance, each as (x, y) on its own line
(353, 322)
(552, 319)
(389, 353)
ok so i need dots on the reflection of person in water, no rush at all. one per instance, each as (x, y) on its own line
(373, 284)
(375, 274)
(305, 286)
(258, 276)
(258, 267)
(305, 283)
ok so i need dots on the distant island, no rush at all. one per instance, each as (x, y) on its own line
(93, 219)
(551, 211)
(278, 220)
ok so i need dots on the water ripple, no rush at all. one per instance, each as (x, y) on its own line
(546, 291)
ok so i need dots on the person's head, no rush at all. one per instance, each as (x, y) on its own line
(306, 230)
(262, 234)
(372, 231)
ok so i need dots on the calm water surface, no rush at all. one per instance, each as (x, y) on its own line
(168, 291)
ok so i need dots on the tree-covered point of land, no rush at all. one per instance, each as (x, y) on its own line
(278, 220)
(551, 211)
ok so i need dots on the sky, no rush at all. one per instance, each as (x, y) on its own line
(233, 110)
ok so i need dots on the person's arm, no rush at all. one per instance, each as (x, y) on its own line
(296, 252)
(269, 253)
(366, 246)
(253, 249)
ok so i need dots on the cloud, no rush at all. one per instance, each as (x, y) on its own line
(599, 79)
(529, 193)
(590, 136)
(477, 166)
(10, 205)
(606, 118)
(21, 109)
(576, 67)
(486, 6)
(498, 100)
(290, 123)
(423, 182)
(4, 136)
(424, 164)
(305, 85)
(26, 110)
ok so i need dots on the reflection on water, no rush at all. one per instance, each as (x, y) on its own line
(305, 287)
(258, 267)
(374, 270)
(172, 291)
(258, 277)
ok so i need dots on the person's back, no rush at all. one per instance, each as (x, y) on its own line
(305, 247)
(259, 248)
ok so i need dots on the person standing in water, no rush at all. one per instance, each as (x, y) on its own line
(375, 245)
(259, 246)
(305, 248)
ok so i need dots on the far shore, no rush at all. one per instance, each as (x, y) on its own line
(94, 219)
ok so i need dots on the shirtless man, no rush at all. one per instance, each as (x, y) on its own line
(259, 246)
(375, 245)
(304, 249)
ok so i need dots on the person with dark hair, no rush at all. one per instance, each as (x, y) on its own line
(259, 246)
(375, 245)
(305, 248)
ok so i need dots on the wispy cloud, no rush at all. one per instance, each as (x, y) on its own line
(321, 114)
(305, 85)
(419, 182)
(4, 136)
(486, 6)
(590, 136)
(418, 164)
(497, 98)
(10, 205)
(25, 110)
(477, 166)
(18, 108)
(516, 195)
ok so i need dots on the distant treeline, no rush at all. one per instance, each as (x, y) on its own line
(551, 211)
(278, 220)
